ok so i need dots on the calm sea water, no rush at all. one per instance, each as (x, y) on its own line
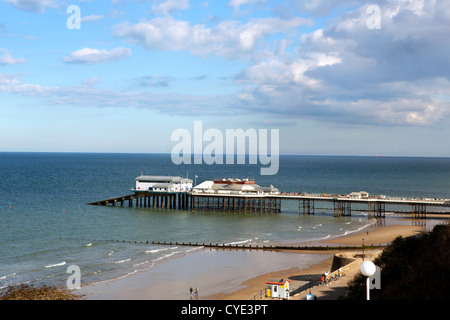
(46, 224)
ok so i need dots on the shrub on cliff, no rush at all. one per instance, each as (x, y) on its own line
(412, 268)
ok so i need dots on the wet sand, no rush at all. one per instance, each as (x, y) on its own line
(380, 235)
(212, 271)
(234, 274)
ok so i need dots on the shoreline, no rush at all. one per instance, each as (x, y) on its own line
(239, 274)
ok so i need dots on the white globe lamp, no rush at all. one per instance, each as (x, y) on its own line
(368, 269)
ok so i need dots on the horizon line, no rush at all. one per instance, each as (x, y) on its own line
(246, 154)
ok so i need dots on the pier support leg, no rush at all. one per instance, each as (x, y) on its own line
(342, 208)
(377, 209)
(306, 206)
(419, 211)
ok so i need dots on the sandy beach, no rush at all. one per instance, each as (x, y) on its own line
(380, 235)
(240, 274)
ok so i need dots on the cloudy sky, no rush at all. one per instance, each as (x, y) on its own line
(335, 77)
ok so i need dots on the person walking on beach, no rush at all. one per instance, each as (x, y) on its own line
(190, 291)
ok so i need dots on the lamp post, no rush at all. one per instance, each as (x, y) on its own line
(363, 248)
(368, 269)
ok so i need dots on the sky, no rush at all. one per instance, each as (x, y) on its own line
(334, 77)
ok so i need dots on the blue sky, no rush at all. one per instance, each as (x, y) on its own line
(137, 70)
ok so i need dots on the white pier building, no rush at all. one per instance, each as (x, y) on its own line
(163, 184)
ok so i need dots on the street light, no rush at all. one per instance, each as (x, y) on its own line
(368, 269)
(363, 248)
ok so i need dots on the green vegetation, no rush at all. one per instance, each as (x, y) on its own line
(412, 268)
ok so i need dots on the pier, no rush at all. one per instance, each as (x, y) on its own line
(340, 206)
(195, 202)
(244, 196)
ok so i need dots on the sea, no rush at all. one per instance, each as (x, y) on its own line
(46, 224)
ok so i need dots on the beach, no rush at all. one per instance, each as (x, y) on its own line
(240, 274)
(380, 235)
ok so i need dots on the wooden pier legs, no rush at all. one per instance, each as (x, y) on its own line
(306, 206)
(155, 200)
(377, 209)
(342, 208)
(419, 211)
(234, 204)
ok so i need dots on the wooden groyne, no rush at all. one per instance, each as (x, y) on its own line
(268, 247)
(231, 246)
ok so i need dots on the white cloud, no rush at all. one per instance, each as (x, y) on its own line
(348, 73)
(10, 83)
(32, 5)
(236, 4)
(87, 95)
(88, 55)
(170, 6)
(7, 59)
(92, 17)
(153, 81)
(91, 81)
(322, 7)
(228, 38)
